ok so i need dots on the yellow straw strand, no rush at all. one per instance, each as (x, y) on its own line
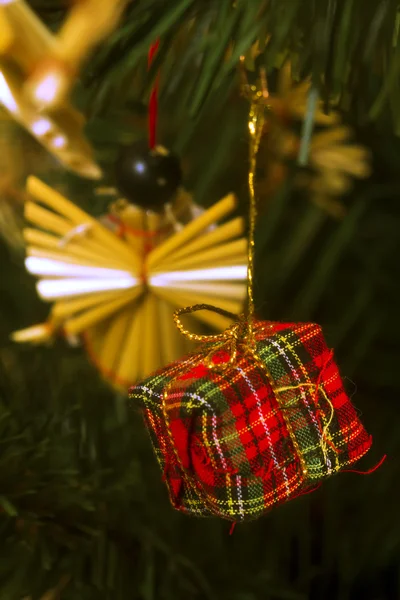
(220, 235)
(100, 313)
(66, 308)
(150, 326)
(46, 241)
(213, 214)
(129, 364)
(58, 203)
(173, 342)
(209, 257)
(46, 219)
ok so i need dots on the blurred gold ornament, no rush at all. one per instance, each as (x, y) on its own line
(120, 294)
(38, 69)
(11, 196)
(332, 160)
(10, 216)
(291, 100)
(335, 163)
(87, 24)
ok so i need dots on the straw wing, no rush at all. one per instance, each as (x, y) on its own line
(120, 298)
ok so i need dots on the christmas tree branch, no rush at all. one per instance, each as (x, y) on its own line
(349, 47)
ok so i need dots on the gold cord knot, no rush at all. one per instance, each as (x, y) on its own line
(239, 333)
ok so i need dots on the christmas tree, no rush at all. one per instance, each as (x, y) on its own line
(83, 510)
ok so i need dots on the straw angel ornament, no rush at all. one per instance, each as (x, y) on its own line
(118, 294)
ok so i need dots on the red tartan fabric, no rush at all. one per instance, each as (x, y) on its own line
(236, 442)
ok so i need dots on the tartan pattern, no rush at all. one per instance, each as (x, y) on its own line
(238, 441)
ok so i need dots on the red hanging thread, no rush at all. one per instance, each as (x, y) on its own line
(140, 233)
(307, 491)
(375, 468)
(153, 102)
(153, 117)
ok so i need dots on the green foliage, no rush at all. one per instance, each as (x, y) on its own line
(350, 47)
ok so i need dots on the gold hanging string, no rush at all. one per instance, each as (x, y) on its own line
(255, 124)
(257, 96)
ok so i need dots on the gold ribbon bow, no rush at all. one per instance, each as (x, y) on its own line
(237, 333)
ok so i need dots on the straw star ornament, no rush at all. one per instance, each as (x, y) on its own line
(333, 159)
(118, 295)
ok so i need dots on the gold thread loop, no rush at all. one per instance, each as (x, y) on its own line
(233, 335)
(203, 338)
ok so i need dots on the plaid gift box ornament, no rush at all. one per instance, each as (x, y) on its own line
(239, 430)
(257, 416)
